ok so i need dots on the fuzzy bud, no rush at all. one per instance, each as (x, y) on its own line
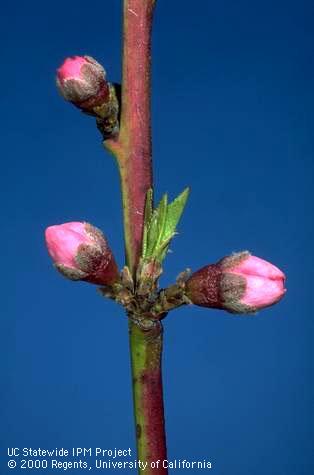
(81, 252)
(240, 283)
(82, 81)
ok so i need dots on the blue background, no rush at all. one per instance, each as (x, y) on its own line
(233, 118)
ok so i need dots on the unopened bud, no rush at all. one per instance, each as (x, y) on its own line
(240, 283)
(81, 252)
(81, 80)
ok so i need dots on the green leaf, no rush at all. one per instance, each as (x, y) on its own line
(174, 213)
(147, 218)
(155, 226)
(148, 205)
(152, 235)
(162, 250)
(160, 224)
(162, 216)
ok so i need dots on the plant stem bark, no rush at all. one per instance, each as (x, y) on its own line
(132, 149)
(146, 350)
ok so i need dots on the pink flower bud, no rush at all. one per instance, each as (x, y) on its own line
(82, 81)
(81, 252)
(240, 283)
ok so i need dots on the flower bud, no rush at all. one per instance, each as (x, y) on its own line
(240, 283)
(81, 252)
(81, 80)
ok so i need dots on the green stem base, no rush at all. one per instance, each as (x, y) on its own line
(146, 351)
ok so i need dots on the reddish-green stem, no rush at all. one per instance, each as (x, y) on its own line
(132, 149)
(133, 145)
(146, 350)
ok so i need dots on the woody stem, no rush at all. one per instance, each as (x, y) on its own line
(132, 149)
